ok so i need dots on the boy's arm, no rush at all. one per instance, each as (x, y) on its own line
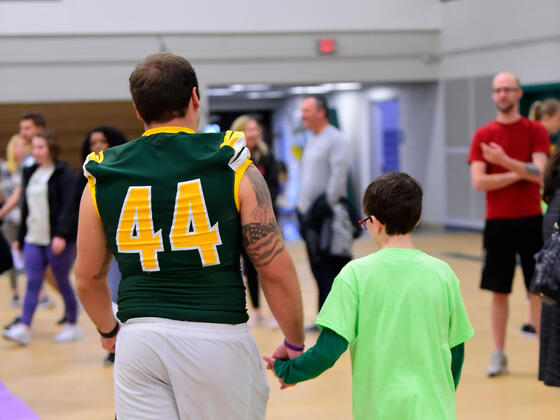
(322, 356)
(457, 359)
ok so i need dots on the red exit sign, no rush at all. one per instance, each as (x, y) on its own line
(326, 45)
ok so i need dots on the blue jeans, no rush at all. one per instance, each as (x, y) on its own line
(37, 258)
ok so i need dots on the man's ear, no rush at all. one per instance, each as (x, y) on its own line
(137, 113)
(195, 98)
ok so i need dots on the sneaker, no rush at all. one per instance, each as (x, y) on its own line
(498, 364)
(18, 333)
(109, 360)
(529, 330)
(14, 321)
(69, 332)
(15, 302)
(45, 303)
(255, 321)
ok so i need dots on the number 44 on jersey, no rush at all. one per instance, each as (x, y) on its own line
(190, 228)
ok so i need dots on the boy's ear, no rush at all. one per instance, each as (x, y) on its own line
(377, 224)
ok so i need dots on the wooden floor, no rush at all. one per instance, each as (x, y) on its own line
(68, 381)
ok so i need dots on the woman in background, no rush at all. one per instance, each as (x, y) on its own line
(265, 163)
(47, 235)
(547, 112)
(10, 189)
(98, 139)
(549, 360)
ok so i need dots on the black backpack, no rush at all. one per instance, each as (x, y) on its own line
(546, 279)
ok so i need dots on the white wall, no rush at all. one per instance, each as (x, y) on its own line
(481, 37)
(168, 16)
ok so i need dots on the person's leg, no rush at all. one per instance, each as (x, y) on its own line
(497, 277)
(500, 312)
(35, 263)
(10, 233)
(141, 382)
(530, 242)
(60, 265)
(216, 359)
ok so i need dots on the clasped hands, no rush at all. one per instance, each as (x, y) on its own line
(281, 353)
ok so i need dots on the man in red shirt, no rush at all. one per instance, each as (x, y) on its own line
(507, 159)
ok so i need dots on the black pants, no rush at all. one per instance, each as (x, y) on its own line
(324, 267)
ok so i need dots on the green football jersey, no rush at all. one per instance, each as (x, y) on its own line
(169, 206)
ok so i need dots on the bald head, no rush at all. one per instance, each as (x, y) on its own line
(506, 77)
(506, 92)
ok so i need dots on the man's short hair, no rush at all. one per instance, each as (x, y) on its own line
(161, 87)
(37, 117)
(395, 199)
(321, 101)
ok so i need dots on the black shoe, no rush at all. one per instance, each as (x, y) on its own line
(15, 321)
(109, 360)
(312, 329)
(529, 330)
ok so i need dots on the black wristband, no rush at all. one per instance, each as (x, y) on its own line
(111, 333)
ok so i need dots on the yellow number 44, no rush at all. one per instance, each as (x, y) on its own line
(190, 228)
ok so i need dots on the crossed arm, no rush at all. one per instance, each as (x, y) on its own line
(518, 170)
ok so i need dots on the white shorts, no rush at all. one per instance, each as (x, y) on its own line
(166, 370)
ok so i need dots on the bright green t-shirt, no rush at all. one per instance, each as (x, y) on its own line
(401, 310)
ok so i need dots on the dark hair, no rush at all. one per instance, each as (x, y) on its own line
(114, 137)
(395, 199)
(551, 181)
(321, 101)
(37, 117)
(161, 87)
(51, 139)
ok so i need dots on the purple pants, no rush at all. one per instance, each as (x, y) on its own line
(37, 258)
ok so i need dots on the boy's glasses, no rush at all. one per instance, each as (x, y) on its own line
(363, 223)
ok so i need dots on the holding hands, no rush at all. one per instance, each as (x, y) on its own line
(284, 351)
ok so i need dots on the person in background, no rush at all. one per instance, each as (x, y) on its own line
(10, 188)
(507, 158)
(549, 354)
(547, 112)
(98, 139)
(265, 163)
(324, 176)
(47, 235)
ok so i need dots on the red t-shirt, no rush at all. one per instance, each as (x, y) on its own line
(519, 141)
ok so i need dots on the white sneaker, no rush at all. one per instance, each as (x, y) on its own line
(69, 332)
(18, 333)
(498, 364)
(45, 303)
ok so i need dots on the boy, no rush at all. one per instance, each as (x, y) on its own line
(400, 310)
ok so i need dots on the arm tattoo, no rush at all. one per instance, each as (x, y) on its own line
(261, 237)
(532, 169)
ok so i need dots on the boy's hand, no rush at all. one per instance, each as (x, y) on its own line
(270, 365)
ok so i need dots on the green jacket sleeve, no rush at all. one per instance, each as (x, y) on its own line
(457, 359)
(316, 360)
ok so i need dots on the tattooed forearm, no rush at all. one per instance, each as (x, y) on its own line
(532, 169)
